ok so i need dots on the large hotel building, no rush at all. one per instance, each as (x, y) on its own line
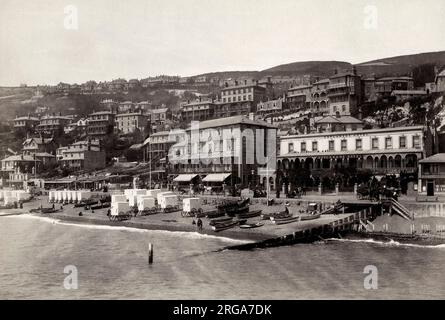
(383, 151)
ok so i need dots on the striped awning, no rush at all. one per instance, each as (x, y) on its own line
(185, 177)
(216, 177)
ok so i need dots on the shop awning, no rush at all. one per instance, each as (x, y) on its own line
(185, 177)
(216, 177)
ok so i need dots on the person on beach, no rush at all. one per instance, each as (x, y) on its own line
(199, 224)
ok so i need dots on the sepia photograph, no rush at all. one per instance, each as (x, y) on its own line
(255, 151)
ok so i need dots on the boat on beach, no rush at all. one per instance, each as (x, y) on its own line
(310, 216)
(227, 225)
(285, 220)
(220, 220)
(280, 214)
(251, 225)
(249, 214)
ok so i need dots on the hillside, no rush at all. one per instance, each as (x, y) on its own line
(400, 65)
(316, 68)
(392, 66)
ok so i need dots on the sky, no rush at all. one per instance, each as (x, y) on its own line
(41, 43)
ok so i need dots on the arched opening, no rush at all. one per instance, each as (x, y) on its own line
(390, 162)
(309, 163)
(398, 162)
(411, 161)
(317, 164)
(376, 162)
(369, 162)
(383, 162)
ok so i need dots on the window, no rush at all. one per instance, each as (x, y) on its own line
(303, 147)
(343, 108)
(314, 146)
(375, 143)
(343, 145)
(331, 145)
(388, 143)
(291, 147)
(358, 144)
(402, 142)
(416, 142)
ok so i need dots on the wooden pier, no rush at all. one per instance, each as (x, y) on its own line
(353, 222)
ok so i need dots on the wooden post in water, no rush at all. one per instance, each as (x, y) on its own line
(150, 253)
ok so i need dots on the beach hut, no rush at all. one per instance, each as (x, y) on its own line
(59, 196)
(190, 204)
(83, 195)
(51, 196)
(168, 201)
(160, 195)
(69, 198)
(146, 203)
(118, 198)
(132, 201)
(74, 196)
(120, 208)
(10, 200)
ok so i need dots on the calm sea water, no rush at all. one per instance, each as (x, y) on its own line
(112, 264)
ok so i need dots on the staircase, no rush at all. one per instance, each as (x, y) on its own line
(398, 208)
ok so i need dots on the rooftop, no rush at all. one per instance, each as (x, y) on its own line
(38, 140)
(361, 132)
(231, 121)
(342, 120)
(20, 158)
(437, 158)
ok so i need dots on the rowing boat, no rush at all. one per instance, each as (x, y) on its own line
(220, 220)
(281, 214)
(251, 225)
(250, 214)
(285, 220)
(227, 225)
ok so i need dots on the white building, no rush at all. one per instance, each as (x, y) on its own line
(388, 150)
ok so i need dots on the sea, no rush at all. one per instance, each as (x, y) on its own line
(42, 258)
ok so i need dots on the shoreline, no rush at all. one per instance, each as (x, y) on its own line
(267, 236)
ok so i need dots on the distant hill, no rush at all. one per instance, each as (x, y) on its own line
(393, 66)
(400, 65)
(316, 68)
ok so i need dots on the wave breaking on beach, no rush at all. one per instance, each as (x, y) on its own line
(182, 234)
(390, 243)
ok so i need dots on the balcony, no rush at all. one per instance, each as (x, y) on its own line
(338, 85)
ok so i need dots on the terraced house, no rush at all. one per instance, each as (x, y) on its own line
(82, 155)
